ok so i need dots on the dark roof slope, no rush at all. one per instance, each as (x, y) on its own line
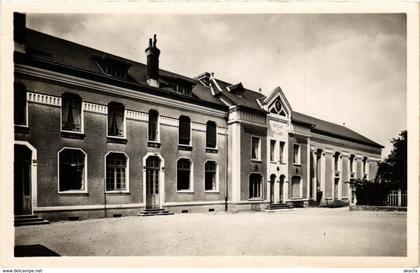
(67, 53)
(329, 128)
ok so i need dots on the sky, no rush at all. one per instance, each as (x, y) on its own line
(343, 68)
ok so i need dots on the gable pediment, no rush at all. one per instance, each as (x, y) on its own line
(277, 104)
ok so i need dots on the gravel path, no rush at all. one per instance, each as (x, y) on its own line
(308, 232)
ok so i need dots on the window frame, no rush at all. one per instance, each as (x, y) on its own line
(216, 177)
(127, 173)
(272, 152)
(85, 169)
(191, 188)
(261, 197)
(281, 152)
(215, 137)
(299, 155)
(124, 136)
(259, 148)
(26, 125)
(157, 127)
(82, 115)
(179, 132)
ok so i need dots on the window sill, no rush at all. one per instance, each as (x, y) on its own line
(211, 150)
(183, 147)
(72, 135)
(211, 191)
(117, 192)
(283, 163)
(114, 139)
(256, 199)
(153, 144)
(256, 160)
(297, 164)
(184, 191)
(273, 162)
(73, 192)
(24, 129)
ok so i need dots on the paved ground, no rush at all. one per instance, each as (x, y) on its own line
(311, 231)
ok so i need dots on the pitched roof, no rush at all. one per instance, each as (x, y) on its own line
(70, 54)
(335, 130)
(248, 98)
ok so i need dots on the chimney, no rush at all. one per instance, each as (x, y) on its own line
(153, 53)
(19, 31)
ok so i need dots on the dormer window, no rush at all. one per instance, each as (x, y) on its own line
(277, 108)
(112, 67)
(236, 89)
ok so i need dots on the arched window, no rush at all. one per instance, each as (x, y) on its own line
(20, 104)
(210, 176)
(184, 130)
(296, 186)
(153, 125)
(211, 134)
(183, 174)
(116, 119)
(255, 185)
(71, 112)
(72, 170)
(116, 172)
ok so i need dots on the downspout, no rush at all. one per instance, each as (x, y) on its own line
(105, 212)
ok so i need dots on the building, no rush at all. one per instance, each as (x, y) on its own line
(97, 135)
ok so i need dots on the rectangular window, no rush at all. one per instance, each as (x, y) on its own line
(116, 119)
(281, 151)
(255, 186)
(20, 104)
(255, 148)
(153, 125)
(184, 130)
(296, 186)
(116, 164)
(210, 176)
(71, 112)
(183, 174)
(71, 170)
(296, 154)
(211, 134)
(272, 149)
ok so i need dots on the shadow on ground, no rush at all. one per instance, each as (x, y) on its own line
(34, 251)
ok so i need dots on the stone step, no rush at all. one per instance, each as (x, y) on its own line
(278, 206)
(155, 212)
(28, 220)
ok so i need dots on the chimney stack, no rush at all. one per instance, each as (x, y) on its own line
(153, 53)
(19, 31)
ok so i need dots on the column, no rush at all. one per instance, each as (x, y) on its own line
(314, 178)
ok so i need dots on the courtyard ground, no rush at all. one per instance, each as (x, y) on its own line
(308, 232)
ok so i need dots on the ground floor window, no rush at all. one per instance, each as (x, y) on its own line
(255, 185)
(72, 170)
(116, 170)
(296, 186)
(183, 174)
(210, 177)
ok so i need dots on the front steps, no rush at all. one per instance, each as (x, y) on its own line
(274, 207)
(337, 204)
(29, 220)
(155, 212)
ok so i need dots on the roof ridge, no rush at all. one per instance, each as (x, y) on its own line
(227, 83)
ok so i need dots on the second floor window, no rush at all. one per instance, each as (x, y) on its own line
(272, 149)
(336, 158)
(20, 104)
(153, 125)
(255, 148)
(211, 134)
(184, 130)
(71, 112)
(296, 154)
(116, 119)
(281, 151)
(351, 163)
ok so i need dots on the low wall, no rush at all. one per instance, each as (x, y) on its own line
(376, 208)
